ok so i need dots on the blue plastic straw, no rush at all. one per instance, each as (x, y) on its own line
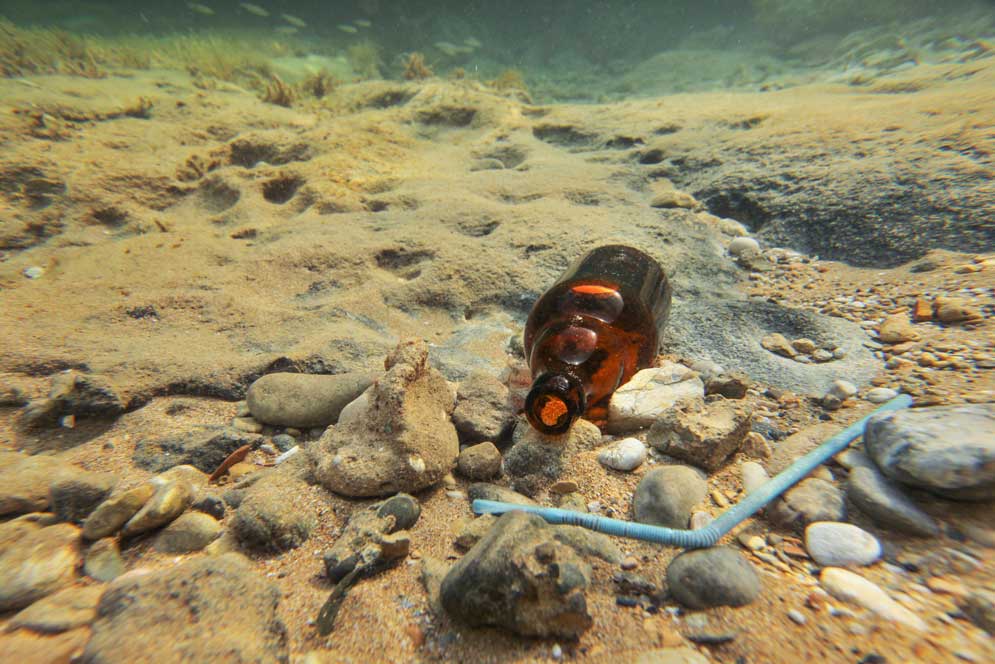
(713, 532)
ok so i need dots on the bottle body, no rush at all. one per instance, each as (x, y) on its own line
(590, 332)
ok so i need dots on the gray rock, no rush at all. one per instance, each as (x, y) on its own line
(948, 450)
(834, 544)
(651, 393)
(979, 606)
(114, 512)
(103, 560)
(404, 508)
(25, 480)
(740, 246)
(77, 394)
(284, 442)
(304, 400)
(704, 437)
(168, 502)
(74, 497)
(204, 448)
(482, 410)
(190, 532)
(733, 385)
(479, 462)
(535, 460)
(811, 500)
(35, 562)
(210, 504)
(887, 504)
(208, 609)
(61, 611)
(268, 520)
(518, 577)
(624, 455)
(403, 442)
(665, 496)
(588, 543)
(485, 491)
(718, 576)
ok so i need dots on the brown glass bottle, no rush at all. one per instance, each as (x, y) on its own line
(590, 332)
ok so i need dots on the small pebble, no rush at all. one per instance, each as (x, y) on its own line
(701, 519)
(284, 441)
(630, 562)
(34, 272)
(880, 394)
(557, 651)
(743, 246)
(834, 544)
(797, 616)
(267, 448)
(624, 455)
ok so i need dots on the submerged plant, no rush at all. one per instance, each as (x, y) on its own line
(415, 68)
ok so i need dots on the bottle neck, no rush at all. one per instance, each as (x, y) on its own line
(554, 402)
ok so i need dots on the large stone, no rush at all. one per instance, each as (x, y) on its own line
(75, 496)
(205, 610)
(36, 562)
(812, 500)
(405, 440)
(59, 612)
(520, 578)
(204, 448)
(948, 450)
(887, 504)
(704, 437)
(707, 578)
(665, 496)
(168, 502)
(268, 519)
(482, 410)
(25, 480)
(114, 512)
(190, 532)
(304, 401)
(651, 393)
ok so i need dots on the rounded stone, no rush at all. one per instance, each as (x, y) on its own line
(835, 544)
(886, 504)
(190, 532)
(268, 519)
(741, 246)
(811, 500)
(665, 496)
(624, 455)
(880, 394)
(707, 578)
(479, 462)
(304, 400)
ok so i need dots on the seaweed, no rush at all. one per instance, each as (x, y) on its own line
(415, 68)
(279, 93)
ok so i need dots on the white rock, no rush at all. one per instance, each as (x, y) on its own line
(701, 519)
(881, 394)
(650, 393)
(34, 272)
(842, 389)
(626, 454)
(744, 246)
(849, 587)
(754, 476)
(834, 544)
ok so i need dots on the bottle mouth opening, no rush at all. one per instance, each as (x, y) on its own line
(553, 403)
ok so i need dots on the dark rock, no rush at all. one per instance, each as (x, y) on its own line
(979, 606)
(482, 411)
(518, 577)
(74, 393)
(35, 562)
(73, 498)
(704, 437)
(103, 560)
(304, 401)
(731, 385)
(284, 442)
(210, 504)
(208, 609)
(948, 450)
(665, 496)
(887, 505)
(535, 460)
(404, 508)
(479, 462)
(267, 518)
(707, 578)
(203, 448)
(809, 501)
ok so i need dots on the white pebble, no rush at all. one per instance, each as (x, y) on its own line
(557, 651)
(743, 245)
(849, 587)
(625, 455)
(33, 272)
(880, 394)
(835, 544)
(842, 389)
(754, 476)
(286, 455)
(797, 616)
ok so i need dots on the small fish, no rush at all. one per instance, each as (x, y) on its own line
(362, 22)
(294, 21)
(254, 9)
(285, 30)
(472, 42)
(200, 9)
(345, 27)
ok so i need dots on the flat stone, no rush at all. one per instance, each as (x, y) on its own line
(74, 497)
(36, 563)
(25, 480)
(849, 587)
(479, 462)
(191, 531)
(717, 576)
(887, 504)
(835, 544)
(103, 560)
(778, 344)
(809, 501)
(208, 609)
(880, 394)
(168, 502)
(704, 436)
(624, 455)
(665, 496)
(61, 611)
(650, 393)
(304, 400)
(114, 512)
(948, 450)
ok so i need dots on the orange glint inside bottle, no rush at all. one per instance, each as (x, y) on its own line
(590, 332)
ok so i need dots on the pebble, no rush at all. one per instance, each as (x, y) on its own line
(707, 369)
(717, 576)
(267, 448)
(60, 612)
(630, 562)
(754, 476)
(247, 424)
(897, 329)
(33, 272)
(114, 512)
(948, 450)
(479, 462)
(778, 344)
(284, 442)
(103, 560)
(842, 389)
(700, 520)
(797, 616)
(855, 589)
(743, 246)
(665, 496)
(811, 500)
(880, 394)
(623, 455)
(835, 544)
(167, 503)
(886, 504)
(190, 532)
(36, 562)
